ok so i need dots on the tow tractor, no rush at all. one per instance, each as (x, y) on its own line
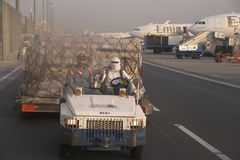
(92, 120)
(102, 122)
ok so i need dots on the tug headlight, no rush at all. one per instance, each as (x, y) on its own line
(78, 91)
(136, 123)
(122, 92)
(71, 122)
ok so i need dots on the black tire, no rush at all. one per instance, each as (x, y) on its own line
(136, 152)
(179, 56)
(158, 51)
(198, 56)
(193, 56)
(64, 151)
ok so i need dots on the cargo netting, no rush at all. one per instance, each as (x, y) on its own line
(47, 60)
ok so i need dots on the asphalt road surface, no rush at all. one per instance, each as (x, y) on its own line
(198, 120)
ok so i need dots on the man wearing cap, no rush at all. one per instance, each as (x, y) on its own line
(79, 76)
(114, 71)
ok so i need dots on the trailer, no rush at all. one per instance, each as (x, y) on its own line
(159, 43)
(44, 65)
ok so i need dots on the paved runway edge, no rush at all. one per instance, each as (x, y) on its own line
(192, 75)
(9, 74)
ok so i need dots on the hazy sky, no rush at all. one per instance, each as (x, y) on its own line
(121, 15)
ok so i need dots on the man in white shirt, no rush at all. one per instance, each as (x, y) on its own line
(112, 73)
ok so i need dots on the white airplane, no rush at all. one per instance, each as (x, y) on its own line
(165, 29)
(228, 24)
(118, 35)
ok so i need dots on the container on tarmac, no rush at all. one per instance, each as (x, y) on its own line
(161, 43)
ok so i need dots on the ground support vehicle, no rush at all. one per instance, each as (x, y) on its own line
(92, 120)
(44, 70)
(161, 44)
(102, 122)
(194, 51)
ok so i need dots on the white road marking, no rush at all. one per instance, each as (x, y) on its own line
(156, 109)
(193, 75)
(9, 74)
(203, 143)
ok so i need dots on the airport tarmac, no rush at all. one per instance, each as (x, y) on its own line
(195, 119)
(205, 66)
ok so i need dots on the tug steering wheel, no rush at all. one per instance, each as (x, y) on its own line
(118, 83)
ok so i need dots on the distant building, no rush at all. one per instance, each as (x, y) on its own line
(40, 25)
(12, 25)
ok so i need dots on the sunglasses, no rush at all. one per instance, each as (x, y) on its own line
(114, 62)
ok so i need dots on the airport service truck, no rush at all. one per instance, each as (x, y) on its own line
(194, 51)
(204, 43)
(102, 122)
(160, 44)
(94, 120)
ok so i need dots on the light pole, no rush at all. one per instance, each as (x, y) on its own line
(48, 16)
(17, 5)
(34, 21)
(51, 20)
(43, 15)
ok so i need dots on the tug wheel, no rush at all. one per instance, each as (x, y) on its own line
(64, 151)
(136, 152)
